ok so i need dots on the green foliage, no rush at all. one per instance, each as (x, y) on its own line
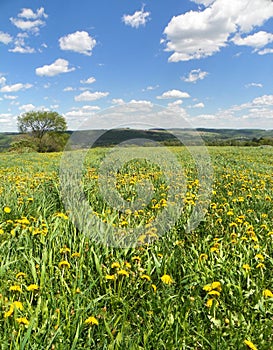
(79, 278)
(46, 128)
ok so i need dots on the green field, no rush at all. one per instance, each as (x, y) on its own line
(211, 288)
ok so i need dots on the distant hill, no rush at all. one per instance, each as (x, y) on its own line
(97, 138)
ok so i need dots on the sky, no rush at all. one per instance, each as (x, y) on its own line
(208, 62)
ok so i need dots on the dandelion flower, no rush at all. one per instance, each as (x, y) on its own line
(63, 264)
(64, 250)
(91, 321)
(167, 279)
(123, 273)
(115, 265)
(260, 257)
(250, 345)
(7, 210)
(75, 255)
(32, 287)
(9, 312)
(267, 293)
(15, 288)
(136, 258)
(18, 305)
(246, 267)
(145, 277)
(110, 277)
(21, 274)
(214, 292)
(22, 320)
(154, 287)
(261, 266)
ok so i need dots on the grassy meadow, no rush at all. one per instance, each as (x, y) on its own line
(211, 288)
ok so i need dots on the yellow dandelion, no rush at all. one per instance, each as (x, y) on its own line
(136, 258)
(212, 301)
(167, 279)
(22, 320)
(64, 250)
(91, 321)
(246, 267)
(261, 266)
(123, 273)
(259, 256)
(207, 288)
(250, 345)
(214, 292)
(64, 264)
(115, 265)
(18, 305)
(203, 257)
(110, 277)
(7, 210)
(21, 274)
(9, 312)
(216, 285)
(154, 287)
(75, 255)
(145, 277)
(267, 293)
(15, 288)
(1, 231)
(32, 287)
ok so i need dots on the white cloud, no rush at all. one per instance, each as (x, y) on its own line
(68, 88)
(20, 45)
(90, 80)
(84, 111)
(199, 105)
(198, 34)
(139, 18)
(2, 80)
(266, 100)
(265, 51)
(254, 85)
(27, 107)
(57, 67)
(256, 40)
(27, 20)
(5, 38)
(90, 96)
(118, 101)
(194, 75)
(80, 42)
(29, 14)
(150, 88)
(10, 97)
(15, 87)
(173, 94)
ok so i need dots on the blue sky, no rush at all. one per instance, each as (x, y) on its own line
(210, 62)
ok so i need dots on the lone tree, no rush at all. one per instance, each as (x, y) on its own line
(46, 127)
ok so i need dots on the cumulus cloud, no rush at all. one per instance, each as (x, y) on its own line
(265, 51)
(28, 20)
(57, 67)
(83, 111)
(199, 105)
(5, 38)
(194, 75)
(80, 42)
(256, 40)
(254, 85)
(90, 80)
(199, 34)
(265, 100)
(173, 94)
(2, 80)
(139, 18)
(90, 96)
(10, 97)
(27, 107)
(15, 87)
(20, 45)
(117, 101)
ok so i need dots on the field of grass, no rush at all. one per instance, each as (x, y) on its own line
(211, 288)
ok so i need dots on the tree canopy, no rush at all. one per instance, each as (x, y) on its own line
(46, 129)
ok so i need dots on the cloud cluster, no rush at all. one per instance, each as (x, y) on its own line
(90, 96)
(173, 94)
(57, 67)
(27, 20)
(199, 34)
(194, 76)
(139, 18)
(80, 42)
